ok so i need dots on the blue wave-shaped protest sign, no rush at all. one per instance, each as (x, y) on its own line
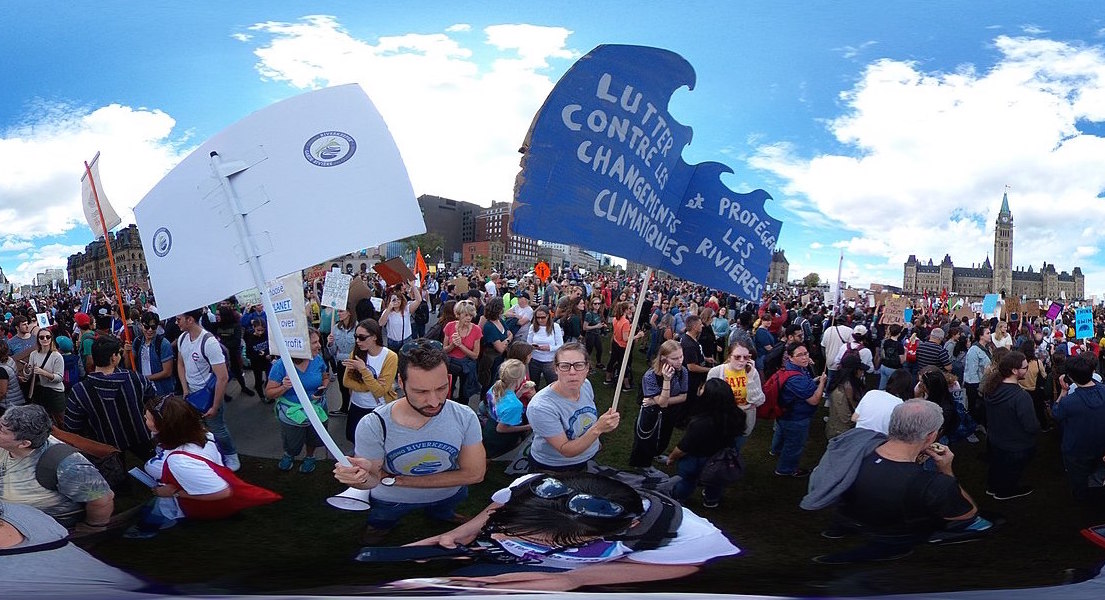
(603, 168)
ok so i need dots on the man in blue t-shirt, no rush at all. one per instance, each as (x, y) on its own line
(799, 398)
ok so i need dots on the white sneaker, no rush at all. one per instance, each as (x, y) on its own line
(231, 461)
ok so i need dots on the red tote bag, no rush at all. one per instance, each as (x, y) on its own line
(243, 495)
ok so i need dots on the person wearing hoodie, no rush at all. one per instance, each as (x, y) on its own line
(1011, 426)
(1080, 412)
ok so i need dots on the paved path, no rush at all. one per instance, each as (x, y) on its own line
(256, 430)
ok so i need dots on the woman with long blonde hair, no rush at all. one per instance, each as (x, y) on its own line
(663, 393)
(506, 420)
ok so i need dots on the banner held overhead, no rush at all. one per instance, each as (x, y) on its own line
(603, 169)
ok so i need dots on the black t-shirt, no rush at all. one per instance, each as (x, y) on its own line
(891, 353)
(894, 497)
(703, 437)
(4, 374)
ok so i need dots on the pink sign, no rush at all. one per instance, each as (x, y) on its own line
(1054, 310)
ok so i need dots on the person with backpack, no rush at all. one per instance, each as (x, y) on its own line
(798, 393)
(857, 346)
(891, 354)
(713, 428)
(155, 356)
(72, 492)
(201, 362)
(557, 532)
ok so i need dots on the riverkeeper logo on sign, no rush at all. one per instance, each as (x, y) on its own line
(329, 149)
(162, 242)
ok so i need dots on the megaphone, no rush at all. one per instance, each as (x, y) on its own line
(350, 499)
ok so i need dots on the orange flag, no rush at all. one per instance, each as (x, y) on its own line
(420, 265)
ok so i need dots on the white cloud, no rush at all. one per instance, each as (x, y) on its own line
(241, 37)
(1032, 29)
(929, 153)
(459, 27)
(854, 51)
(817, 245)
(42, 197)
(51, 256)
(458, 126)
(15, 245)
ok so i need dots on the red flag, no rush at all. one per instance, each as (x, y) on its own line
(420, 265)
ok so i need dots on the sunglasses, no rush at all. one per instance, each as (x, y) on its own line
(586, 505)
(44, 337)
(420, 344)
(362, 338)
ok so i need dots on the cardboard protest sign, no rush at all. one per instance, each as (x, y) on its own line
(393, 271)
(1012, 305)
(335, 289)
(358, 291)
(1054, 310)
(604, 157)
(322, 145)
(1032, 309)
(461, 285)
(851, 295)
(542, 271)
(250, 297)
(894, 313)
(963, 311)
(290, 314)
(315, 272)
(43, 320)
(805, 300)
(1083, 323)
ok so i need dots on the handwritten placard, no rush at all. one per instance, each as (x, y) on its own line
(1032, 309)
(335, 289)
(1012, 305)
(289, 314)
(603, 168)
(1083, 323)
(894, 313)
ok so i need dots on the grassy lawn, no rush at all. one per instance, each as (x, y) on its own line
(301, 543)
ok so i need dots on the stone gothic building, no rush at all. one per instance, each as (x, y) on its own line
(94, 270)
(778, 273)
(997, 278)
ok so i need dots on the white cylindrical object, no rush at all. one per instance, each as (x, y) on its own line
(350, 499)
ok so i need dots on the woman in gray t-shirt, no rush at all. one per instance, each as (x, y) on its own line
(566, 423)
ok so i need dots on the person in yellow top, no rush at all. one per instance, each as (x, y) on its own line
(744, 380)
(369, 373)
(1034, 383)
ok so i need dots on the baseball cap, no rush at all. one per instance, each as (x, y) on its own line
(860, 330)
(82, 320)
(65, 344)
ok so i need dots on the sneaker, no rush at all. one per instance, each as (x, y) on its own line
(308, 465)
(134, 533)
(248, 392)
(231, 461)
(338, 413)
(798, 473)
(285, 463)
(707, 503)
(1022, 491)
(372, 536)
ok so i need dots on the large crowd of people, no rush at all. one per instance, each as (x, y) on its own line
(506, 367)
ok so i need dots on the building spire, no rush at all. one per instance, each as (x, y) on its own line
(1005, 203)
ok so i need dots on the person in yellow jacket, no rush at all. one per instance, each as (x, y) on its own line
(369, 373)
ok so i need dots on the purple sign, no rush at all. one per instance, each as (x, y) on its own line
(1054, 310)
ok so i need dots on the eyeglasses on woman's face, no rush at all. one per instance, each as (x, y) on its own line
(564, 367)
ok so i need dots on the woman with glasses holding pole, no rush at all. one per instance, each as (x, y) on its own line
(566, 424)
(47, 366)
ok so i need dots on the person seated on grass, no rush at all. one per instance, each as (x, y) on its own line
(563, 531)
(896, 502)
(76, 494)
(505, 426)
(37, 561)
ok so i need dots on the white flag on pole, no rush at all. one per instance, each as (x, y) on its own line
(328, 149)
(88, 201)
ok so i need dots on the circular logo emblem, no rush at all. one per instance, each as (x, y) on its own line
(162, 242)
(329, 149)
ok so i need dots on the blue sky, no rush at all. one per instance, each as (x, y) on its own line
(881, 129)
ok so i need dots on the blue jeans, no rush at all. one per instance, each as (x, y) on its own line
(788, 443)
(384, 515)
(739, 441)
(217, 426)
(884, 375)
(689, 467)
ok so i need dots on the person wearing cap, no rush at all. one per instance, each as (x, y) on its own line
(857, 343)
(518, 317)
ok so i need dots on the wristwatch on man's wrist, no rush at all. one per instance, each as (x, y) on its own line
(387, 481)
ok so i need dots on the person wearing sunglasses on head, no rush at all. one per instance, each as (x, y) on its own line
(562, 531)
(47, 369)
